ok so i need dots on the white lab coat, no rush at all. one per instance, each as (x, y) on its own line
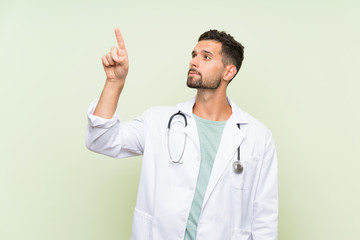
(236, 206)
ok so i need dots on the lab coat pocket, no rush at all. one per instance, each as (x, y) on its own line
(142, 226)
(250, 167)
(245, 180)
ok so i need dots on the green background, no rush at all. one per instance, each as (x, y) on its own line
(300, 77)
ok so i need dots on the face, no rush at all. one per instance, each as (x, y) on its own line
(206, 67)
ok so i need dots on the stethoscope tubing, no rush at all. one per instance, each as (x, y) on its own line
(168, 136)
(238, 167)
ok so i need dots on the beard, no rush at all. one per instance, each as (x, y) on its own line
(197, 81)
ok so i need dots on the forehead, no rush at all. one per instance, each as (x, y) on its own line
(208, 45)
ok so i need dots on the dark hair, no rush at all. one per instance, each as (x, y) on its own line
(231, 50)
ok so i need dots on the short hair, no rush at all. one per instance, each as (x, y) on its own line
(231, 50)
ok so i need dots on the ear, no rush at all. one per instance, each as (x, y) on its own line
(229, 72)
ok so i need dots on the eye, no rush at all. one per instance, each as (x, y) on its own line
(207, 57)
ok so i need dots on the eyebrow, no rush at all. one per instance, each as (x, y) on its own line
(203, 51)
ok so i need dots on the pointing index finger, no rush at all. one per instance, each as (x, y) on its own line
(119, 39)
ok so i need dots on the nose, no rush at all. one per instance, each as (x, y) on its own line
(194, 62)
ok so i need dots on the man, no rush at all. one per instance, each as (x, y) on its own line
(209, 170)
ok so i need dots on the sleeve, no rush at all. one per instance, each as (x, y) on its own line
(266, 203)
(114, 138)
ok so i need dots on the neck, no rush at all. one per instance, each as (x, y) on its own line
(212, 105)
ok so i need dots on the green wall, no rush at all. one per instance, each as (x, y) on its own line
(300, 77)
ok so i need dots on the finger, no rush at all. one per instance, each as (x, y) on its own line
(109, 59)
(114, 53)
(119, 39)
(123, 59)
(105, 62)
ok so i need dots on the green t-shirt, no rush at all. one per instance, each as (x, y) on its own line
(209, 136)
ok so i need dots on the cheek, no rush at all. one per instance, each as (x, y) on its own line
(212, 68)
(217, 70)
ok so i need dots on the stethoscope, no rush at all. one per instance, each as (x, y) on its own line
(238, 167)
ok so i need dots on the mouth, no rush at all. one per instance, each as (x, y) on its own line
(193, 72)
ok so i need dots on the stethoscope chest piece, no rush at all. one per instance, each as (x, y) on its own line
(238, 167)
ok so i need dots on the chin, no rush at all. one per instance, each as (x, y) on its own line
(191, 83)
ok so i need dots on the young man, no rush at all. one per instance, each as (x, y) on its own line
(209, 170)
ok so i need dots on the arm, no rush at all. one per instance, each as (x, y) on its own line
(116, 66)
(105, 134)
(113, 137)
(265, 225)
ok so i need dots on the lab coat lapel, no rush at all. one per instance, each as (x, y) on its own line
(231, 139)
(191, 129)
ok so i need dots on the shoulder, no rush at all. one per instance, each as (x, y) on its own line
(256, 123)
(252, 124)
(161, 113)
(185, 107)
(256, 131)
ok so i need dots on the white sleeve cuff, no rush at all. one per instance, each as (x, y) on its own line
(96, 121)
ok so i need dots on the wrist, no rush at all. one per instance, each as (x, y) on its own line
(115, 84)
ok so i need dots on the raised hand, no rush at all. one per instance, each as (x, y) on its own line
(116, 66)
(115, 62)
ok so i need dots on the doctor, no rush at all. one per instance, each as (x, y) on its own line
(209, 169)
